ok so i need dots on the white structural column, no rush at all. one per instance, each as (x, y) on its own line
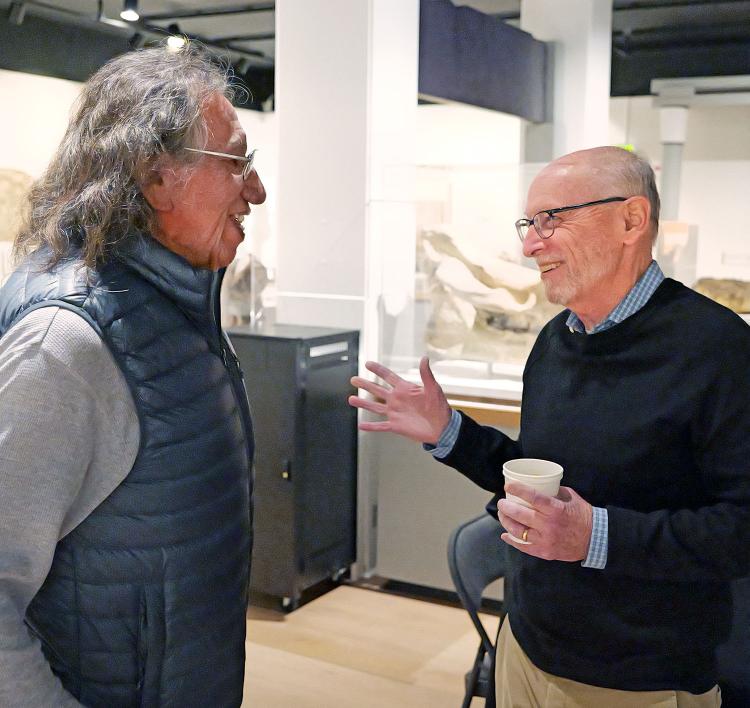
(581, 33)
(321, 108)
(346, 100)
(673, 128)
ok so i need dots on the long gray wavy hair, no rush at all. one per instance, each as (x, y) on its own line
(135, 111)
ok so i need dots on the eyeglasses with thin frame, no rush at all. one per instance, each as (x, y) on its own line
(248, 159)
(545, 221)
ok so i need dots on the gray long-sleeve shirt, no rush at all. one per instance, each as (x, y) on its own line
(69, 435)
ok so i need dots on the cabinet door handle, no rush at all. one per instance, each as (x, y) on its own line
(286, 470)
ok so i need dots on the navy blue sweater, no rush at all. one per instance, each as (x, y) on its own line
(650, 419)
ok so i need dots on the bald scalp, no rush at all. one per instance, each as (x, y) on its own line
(612, 171)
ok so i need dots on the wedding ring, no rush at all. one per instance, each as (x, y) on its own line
(525, 536)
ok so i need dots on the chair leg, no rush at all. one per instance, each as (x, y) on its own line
(473, 679)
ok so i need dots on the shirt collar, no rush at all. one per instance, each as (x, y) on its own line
(636, 298)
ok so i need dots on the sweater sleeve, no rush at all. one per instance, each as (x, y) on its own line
(479, 454)
(709, 542)
(54, 371)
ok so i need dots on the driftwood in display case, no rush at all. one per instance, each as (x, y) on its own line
(242, 291)
(483, 307)
(734, 294)
(14, 188)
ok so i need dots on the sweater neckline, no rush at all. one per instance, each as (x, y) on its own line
(613, 337)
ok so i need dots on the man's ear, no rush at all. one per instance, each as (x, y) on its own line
(159, 190)
(637, 215)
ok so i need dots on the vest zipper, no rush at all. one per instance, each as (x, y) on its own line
(236, 377)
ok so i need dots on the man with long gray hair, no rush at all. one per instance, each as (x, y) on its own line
(125, 437)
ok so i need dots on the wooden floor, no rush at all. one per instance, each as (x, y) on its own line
(354, 647)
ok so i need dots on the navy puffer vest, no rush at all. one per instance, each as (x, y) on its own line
(145, 602)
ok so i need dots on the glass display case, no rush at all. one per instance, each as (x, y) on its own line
(478, 304)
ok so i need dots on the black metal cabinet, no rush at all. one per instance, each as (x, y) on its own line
(297, 381)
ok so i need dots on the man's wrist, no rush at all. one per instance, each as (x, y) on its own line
(448, 437)
(599, 543)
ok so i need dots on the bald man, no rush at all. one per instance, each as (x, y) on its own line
(618, 593)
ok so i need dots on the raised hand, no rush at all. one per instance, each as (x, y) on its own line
(416, 412)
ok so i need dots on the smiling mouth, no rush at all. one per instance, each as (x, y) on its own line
(547, 267)
(238, 219)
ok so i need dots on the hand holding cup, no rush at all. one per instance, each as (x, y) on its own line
(541, 518)
(542, 475)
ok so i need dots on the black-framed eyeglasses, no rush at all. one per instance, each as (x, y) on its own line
(245, 168)
(545, 221)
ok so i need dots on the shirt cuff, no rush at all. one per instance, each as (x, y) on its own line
(447, 438)
(599, 545)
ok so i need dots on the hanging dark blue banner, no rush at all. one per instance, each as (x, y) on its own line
(474, 58)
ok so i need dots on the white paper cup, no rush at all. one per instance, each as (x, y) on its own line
(542, 475)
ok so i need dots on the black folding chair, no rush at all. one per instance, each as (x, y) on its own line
(477, 557)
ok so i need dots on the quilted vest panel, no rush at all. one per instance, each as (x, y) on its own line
(145, 602)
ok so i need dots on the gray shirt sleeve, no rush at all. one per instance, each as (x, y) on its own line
(69, 435)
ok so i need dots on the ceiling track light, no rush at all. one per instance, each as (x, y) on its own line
(130, 11)
(176, 40)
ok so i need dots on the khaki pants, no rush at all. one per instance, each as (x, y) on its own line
(519, 684)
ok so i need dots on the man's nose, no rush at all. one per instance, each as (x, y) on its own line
(531, 242)
(253, 190)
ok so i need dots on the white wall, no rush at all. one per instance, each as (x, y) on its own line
(35, 114)
(468, 170)
(321, 101)
(714, 196)
(262, 133)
